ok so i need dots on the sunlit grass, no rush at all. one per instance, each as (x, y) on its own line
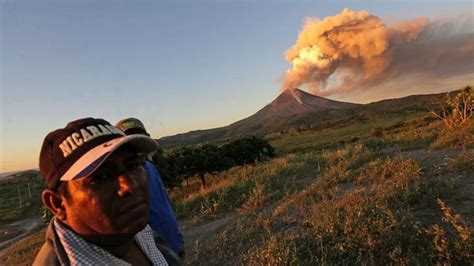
(344, 194)
(360, 204)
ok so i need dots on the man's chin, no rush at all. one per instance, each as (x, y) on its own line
(119, 235)
(132, 225)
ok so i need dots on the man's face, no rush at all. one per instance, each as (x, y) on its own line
(113, 201)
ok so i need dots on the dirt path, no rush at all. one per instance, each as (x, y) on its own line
(429, 158)
(444, 164)
(199, 233)
(17, 231)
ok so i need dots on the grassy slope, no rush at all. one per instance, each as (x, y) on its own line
(24, 252)
(348, 131)
(349, 192)
(10, 210)
(277, 124)
(325, 201)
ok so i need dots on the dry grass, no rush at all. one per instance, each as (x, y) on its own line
(367, 221)
(24, 252)
(359, 209)
(334, 203)
(247, 187)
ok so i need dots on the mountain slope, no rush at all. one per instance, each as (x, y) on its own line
(289, 103)
(296, 101)
(297, 108)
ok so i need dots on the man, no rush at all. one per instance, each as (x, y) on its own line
(161, 216)
(97, 192)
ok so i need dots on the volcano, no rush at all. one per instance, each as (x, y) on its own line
(283, 112)
(294, 109)
(296, 101)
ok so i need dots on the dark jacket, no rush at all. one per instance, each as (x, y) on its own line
(52, 251)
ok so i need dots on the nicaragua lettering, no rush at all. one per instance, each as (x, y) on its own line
(77, 139)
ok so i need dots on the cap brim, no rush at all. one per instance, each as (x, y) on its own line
(93, 159)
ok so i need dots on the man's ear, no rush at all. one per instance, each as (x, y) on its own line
(53, 200)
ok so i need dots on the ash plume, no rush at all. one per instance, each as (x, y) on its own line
(357, 50)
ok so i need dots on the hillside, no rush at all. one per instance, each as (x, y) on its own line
(293, 102)
(298, 109)
(388, 184)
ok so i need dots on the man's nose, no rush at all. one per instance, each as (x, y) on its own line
(127, 185)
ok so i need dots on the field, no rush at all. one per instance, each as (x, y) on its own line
(385, 187)
(395, 189)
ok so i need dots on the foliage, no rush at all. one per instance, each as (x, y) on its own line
(247, 150)
(167, 167)
(448, 252)
(457, 110)
(186, 162)
(461, 137)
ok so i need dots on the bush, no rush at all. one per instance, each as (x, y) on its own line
(456, 110)
(461, 137)
(247, 150)
(205, 159)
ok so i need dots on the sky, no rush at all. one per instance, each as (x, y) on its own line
(177, 66)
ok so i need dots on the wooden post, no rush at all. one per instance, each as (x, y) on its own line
(29, 191)
(19, 195)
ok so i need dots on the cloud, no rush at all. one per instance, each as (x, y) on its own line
(357, 51)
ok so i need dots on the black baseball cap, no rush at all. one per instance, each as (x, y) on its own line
(80, 148)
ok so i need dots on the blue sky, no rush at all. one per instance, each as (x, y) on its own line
(177, 66)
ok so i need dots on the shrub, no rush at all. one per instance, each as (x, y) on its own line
(205, 159)
(461, 137)
(455, 249)
(457, 110)
(247, 150)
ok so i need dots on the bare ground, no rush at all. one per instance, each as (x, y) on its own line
(196, 234)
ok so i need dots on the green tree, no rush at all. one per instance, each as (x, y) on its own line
(167, 167)
(248, 150)
(183, 160)
(207, 159)
(186, 162)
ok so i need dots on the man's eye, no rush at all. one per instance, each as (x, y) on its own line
(101, 176)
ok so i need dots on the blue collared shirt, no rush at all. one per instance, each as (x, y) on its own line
(162, 219)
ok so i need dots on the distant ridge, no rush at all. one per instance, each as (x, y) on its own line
(16, 174)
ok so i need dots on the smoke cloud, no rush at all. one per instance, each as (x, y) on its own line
(356, 50)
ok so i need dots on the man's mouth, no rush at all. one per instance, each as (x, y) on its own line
(131, 205)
